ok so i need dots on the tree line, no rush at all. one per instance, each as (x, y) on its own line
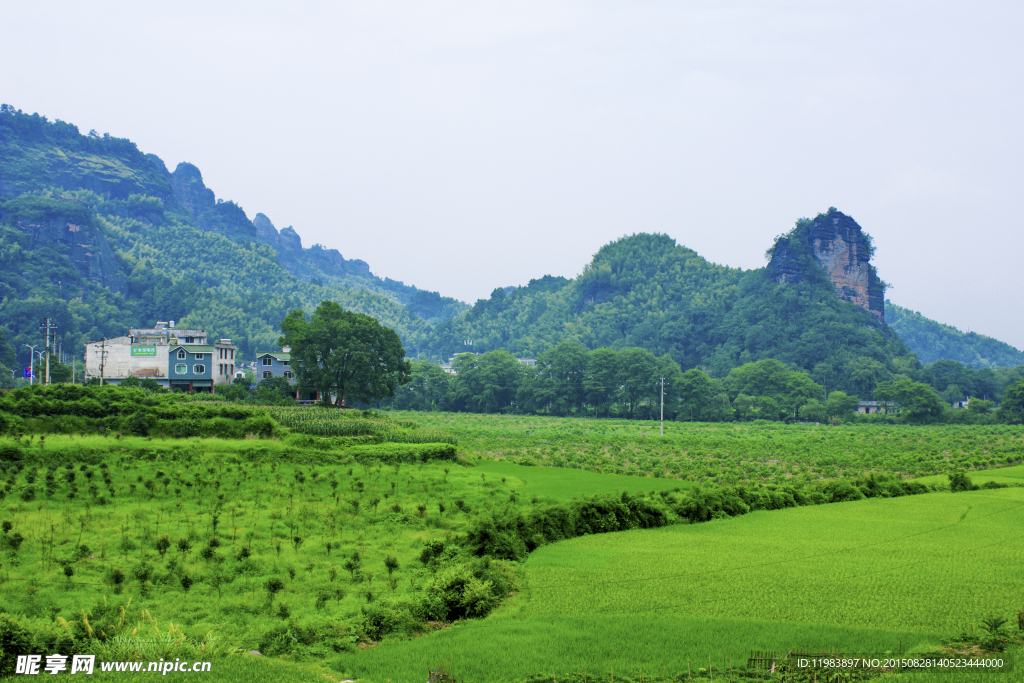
(571, 380)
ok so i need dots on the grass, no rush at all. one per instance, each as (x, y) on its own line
(870, 576)
(561, 484)
(237, 669)
(729, 452)
(249, 495)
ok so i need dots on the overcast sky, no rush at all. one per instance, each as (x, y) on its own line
(462, 146)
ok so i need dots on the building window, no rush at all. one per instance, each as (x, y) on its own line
(181, 353)
(288, 374)
(190, 340)
(286, 362)
(200, 356)
(180, 369)
(267, 360)
(199, 369)
(232, 354)
(267, 374)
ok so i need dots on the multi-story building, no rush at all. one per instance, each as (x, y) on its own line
(279, 364)
(176, 358)
(274, 364)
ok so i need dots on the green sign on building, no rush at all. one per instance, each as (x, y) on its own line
(143, 350)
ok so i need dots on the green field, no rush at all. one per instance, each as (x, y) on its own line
(871, 576)
(729, 452)
(558, 483)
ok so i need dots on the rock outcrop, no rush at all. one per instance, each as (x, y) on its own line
(841, 248)
(226, 218)
(68, 228)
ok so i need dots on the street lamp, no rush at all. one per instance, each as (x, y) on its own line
(31, 357)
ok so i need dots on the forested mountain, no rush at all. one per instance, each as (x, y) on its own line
(100, 236)
(816, 307)
(932, 341)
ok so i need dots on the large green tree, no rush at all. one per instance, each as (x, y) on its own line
(487, 383)
(916, 402)
(345, 354)
(559, 385)
(1012, 408)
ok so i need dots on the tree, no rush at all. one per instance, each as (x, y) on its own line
(7, 380)
(1012, 408)
(427, 389)
(274, 391)
(8, 357)
(696, 392)
(601, 380)
(350, 355)
(560, 378)
(841, 405)
(813, 411)
(638, 378)
(915, 402)
(487, 383)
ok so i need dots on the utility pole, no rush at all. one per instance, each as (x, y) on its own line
(31, 362)
(103, 357)
(663, 406)
(49, 325)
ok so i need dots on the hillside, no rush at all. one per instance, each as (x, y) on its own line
(933, 341)
(100, 236)
(805, 309)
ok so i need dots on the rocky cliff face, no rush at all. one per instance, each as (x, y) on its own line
(73, 234)
(841, 248)
(226, 218)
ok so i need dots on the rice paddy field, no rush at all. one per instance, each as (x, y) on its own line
(730, 452)
(873, 576)
(683, 602)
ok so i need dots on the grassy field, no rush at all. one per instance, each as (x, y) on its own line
(561, 484)
(185, 534)
(113, 500)
(729, 452)
(871, 576)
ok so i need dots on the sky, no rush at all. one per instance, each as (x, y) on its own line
(462, 146)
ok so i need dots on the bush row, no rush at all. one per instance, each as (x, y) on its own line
(512, 534)
(391, 453)
(459, 587)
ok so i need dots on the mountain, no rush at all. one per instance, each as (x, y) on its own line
(817, 306)
(100, 236)
(933, 341)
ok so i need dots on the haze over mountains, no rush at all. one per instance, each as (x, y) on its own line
(101, 236)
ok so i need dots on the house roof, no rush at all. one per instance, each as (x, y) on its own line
(194, 348)
(279, 355)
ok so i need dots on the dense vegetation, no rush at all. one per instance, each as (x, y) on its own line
(149, 244)
(933, 341)
(145, 250)
(634, 384)
(646, 291)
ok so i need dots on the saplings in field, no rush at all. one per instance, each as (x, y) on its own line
(117, 578)
(273, 587)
